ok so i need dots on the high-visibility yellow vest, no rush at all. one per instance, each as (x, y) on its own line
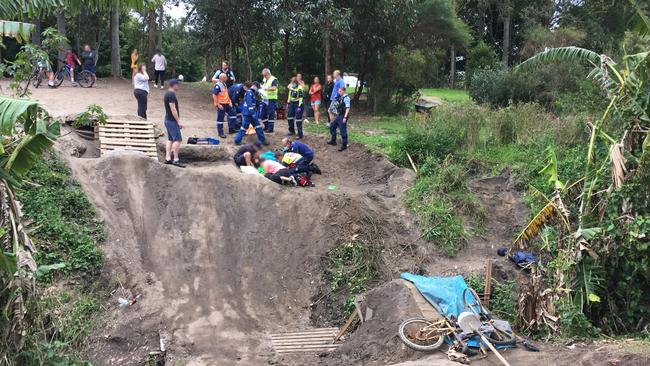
(269, 94)
(291, 158)
(296, 93)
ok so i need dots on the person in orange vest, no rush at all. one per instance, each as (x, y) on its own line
(222, 102)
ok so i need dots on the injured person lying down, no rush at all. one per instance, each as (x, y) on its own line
(288, 172)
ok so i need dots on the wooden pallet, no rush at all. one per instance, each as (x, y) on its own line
(127, 135)
(313, 340)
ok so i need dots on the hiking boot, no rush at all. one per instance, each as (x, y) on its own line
(333, 143)
(222, 136)
(238, 143)
(168, 162)
(178, 164)
(291, 134)
(293, 181)
(269, 131)
(316, 169)
(343, 147)
(266, 143)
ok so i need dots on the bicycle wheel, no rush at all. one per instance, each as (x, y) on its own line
(86, 79)
(58, 78)
(482, 310)
(36, 79)
(421, 335)
(501, 338)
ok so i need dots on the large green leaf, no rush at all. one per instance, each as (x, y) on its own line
(560, 54)
(10, 110)
(18, 30)
(10, 9)
(29, 150)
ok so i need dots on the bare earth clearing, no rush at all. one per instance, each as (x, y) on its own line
(221, 260)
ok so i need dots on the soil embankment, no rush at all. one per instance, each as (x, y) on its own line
(220, 260)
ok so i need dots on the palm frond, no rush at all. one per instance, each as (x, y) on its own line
(560, 54)
(11, 110)
(535, 225)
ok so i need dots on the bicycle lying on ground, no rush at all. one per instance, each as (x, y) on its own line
(84, 78)
(428, 335)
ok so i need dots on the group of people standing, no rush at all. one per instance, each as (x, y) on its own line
(255, 103)
(240, 106)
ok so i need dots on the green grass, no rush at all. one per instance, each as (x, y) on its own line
(67, 231)
(448, 95)
(379, 134)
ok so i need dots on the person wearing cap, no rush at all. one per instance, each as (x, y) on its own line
(269, 93)
(245, 155)
(173, 125)
(249, 112)
(223, 104)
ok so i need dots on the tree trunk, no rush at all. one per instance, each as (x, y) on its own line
(60, 26)
(161, 25)
(328, 56)
(452, 74)
(36, 35)
(174, 62)
(116, 65)
(287, 36)
(506, 39)
(152, 34)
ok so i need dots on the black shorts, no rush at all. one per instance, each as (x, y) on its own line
(240, 160)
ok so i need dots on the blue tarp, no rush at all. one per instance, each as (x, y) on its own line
(443, 293)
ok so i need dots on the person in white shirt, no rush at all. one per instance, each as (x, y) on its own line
(159, 66)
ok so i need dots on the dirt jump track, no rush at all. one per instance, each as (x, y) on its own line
(221, 260)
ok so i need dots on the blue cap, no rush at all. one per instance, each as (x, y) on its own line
(173, 82)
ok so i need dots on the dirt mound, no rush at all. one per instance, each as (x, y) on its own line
(219, 258)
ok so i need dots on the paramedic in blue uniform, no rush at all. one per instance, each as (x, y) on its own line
(250, 114)
(304, 164)
(236, 93)
(300, 148)
(341, 108)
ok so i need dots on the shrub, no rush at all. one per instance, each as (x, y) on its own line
(481, 57)
(489, 87)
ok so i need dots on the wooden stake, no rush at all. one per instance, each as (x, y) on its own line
(488, 284)
(412, 163)
(351, 320)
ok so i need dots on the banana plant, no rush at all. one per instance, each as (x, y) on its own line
(26, 132)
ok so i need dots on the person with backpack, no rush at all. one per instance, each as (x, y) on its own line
(225, 69)
(341, 109)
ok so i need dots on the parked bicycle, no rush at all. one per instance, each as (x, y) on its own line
(84, 78)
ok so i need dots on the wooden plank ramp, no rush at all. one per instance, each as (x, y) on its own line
(132, 135)
(313, 340)
(428, 311)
